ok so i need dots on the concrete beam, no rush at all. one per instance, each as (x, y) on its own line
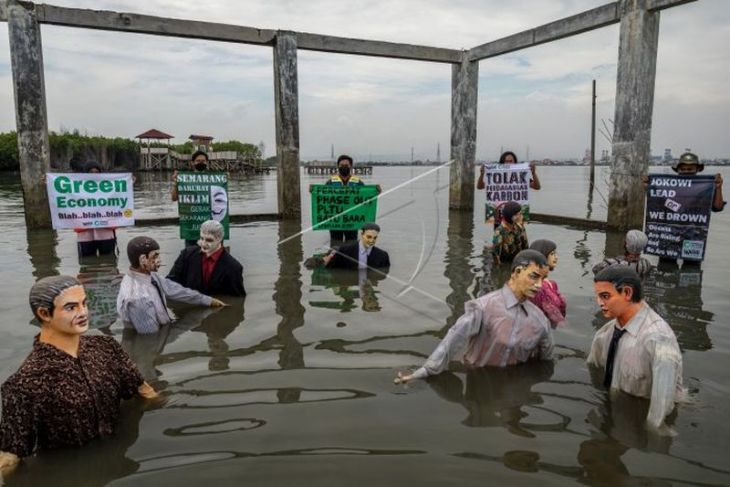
(464, 89)
(26, 59)
(569, 26)
(316, 42)
(286, 101)
(656, 5)
(149, 24)
(190, 29)
(638, 43)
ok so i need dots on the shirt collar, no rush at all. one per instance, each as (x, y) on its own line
(634, 324)
(364, 250)
(215, 255)
(142, 276)
(510, 300)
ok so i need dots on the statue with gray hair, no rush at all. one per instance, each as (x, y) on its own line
(207, 267)
(47, 402)
(634, 244)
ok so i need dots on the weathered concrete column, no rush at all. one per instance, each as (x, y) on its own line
(26, 56)
(286, 95)
(631, 148)
(464, 86)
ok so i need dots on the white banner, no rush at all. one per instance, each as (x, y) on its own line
(90, 200)
(504, 183)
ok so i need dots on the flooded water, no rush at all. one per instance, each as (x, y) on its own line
(293, 385)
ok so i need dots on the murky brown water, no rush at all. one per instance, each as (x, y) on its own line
(293, 386)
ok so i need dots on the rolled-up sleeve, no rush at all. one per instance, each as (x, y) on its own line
(18, 428)
(454, 344)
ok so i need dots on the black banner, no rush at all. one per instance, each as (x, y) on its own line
(678, 215)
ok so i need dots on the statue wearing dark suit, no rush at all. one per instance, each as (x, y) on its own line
(226, 279)
(346, 257)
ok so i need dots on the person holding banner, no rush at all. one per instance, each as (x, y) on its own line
(510, 157)
(499, 329)
(689, 164)
(67, 391)
(510, 237)
(95, 240)
(143, 294)
(198, 163)
(344, 178)
(207, 267)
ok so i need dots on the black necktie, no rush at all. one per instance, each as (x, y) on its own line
(612, 348)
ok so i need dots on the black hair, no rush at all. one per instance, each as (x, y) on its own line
(527, 257)
(505, 154)
(544, 246)
(200, 153)
(92, 165)
(75, 164)
(345, 157)
(139, 246)
(370, 226)
(621, 276)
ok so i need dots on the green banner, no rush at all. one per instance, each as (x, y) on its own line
(343, 208)
(201, 196)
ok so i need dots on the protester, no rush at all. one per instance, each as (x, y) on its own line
(549, 299)
(360, 255)
(199, 162)
(634, 244)
(95, 241)
(689, 164)
(344, 178)
(68, 389)
(637, 348)
(498, 329)
(510, 237)
(509, 157)
(143, 294)
(207, 267)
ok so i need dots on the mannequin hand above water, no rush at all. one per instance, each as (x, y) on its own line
(217, 303)
(8, 462)
(403, 378)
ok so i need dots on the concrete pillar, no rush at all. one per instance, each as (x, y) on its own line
(286, 100)
(638, 42)
(26, 57)
(464, 86)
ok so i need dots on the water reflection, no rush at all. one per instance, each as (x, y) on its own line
(42, 252)
(348, 286)
(101, 279)
(96, 464)
(457, 267)
(496, 396)
(676, 294)
(288, 302)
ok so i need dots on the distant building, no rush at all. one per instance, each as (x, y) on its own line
(668, 155)
(202, 142)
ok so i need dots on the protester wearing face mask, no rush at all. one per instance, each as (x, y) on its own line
(143, 294)
(344, 178)
(207, 267)
(199, 162)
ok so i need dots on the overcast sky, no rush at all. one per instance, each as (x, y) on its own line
(115, 84)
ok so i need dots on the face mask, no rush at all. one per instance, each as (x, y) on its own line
(201, 166)
(344, 171)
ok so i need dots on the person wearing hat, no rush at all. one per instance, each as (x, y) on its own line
(689, 164)
(499, 329)
(549, 299)
(634, 244)
(510, 237)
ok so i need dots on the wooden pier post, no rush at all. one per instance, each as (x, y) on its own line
(464, 86)
(631, 148)
(286, 100)
(26, 58)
